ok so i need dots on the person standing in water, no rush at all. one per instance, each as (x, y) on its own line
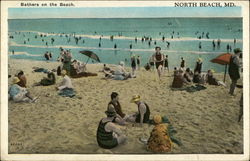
(138, 60)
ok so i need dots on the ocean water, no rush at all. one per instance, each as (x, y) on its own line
(182, 34)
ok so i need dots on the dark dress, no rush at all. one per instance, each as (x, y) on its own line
(105, 139)
(198, 67)
(233, 69)
(146, 115)
(133, 63)
(49, 81)
(182, 63)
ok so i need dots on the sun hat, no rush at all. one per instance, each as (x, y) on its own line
(15, 80)
(135, 98)
(64, 72)
(157, 119)
(110, 112)
(237, 50)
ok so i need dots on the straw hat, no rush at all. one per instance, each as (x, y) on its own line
(135, 98)
(15, 80)
(64, 72)
(157, 119)
(199, 60)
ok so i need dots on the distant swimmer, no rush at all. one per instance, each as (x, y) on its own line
(83, 41)
(163, 38)
(115, 46)
(172, 36)
(168, 44)
(149, 43)
(24, 42)
(213, 44)
(136, 39)
(218, 43)
(234, 41)
(13, 52)
(99, 44)
(130, 46)
(155, 42)
(200, 46)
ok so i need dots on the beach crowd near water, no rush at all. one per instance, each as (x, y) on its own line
(68, 79)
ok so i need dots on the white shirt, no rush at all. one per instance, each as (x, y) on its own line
(66, 83)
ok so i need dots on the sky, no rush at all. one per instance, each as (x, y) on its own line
(123, 12)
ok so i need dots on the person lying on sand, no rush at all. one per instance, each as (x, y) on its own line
(211, 80)
(108, 134)
(49, 80)
(20, 94)
(143, 114)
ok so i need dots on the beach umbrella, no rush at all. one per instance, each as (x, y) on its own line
(223, 59)
(90, 54)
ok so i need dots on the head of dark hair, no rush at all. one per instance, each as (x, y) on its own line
(114, 95)
(20, 73)
(157, 47)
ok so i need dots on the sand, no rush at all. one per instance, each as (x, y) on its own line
(205, 121)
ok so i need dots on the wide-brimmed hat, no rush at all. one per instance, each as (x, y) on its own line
(110, 112)
(135, 98)
(64, 72)
(15, 80)
(237, 50)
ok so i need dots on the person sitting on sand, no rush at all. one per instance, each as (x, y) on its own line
(114, 103)
(159, 140)
(120, 73)
(211, 80)
(49, 80)
(22, 78)
(188, 75)
(179, 79)
(19, 94)
(147, 67)
(143, 114)
(66, 83)
(78, 70)
(108, 134)
(199, 78)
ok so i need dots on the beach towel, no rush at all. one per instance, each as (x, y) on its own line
(41, 70)
(67, 92)
(190, 88)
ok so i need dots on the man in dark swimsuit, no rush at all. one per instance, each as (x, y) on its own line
(108, 134)
(115, 104)
(159, 61)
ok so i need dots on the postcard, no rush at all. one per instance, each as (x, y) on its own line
(125, 80)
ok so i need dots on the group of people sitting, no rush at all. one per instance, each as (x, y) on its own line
(75, 68)
(18, 91)
(182, 78)
(109, 135)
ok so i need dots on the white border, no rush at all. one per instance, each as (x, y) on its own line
(4, 88)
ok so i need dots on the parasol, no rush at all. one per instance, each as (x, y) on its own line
(223, 59)
(90, 54)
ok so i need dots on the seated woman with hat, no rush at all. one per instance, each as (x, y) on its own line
(143, 114)
(19, 94)
(108, 134)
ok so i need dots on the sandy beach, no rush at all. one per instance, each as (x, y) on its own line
(205, 121)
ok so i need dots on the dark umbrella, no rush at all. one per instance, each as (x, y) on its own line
(223, 59)
(91, 55)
